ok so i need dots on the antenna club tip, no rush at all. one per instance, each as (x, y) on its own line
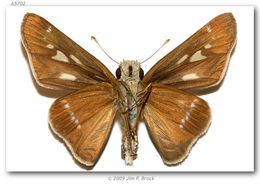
(92, 37)
(166, 41)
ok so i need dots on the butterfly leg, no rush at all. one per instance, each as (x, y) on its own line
(130, 143)
(130, 117)
(142, 97)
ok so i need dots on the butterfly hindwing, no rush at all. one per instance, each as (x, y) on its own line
(84, 120)
(175, 120)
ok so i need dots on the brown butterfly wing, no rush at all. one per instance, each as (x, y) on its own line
(84, 120)
(199, 64)
(56, 61)
(175, 120)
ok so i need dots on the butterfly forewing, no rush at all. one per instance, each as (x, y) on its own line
(56, 61)
(175, 120)
(199, 64)
(84, 120)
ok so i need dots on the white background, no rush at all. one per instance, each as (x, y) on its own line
(131, 32)
(97, 179)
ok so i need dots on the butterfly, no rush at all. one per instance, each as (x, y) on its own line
(165, 97)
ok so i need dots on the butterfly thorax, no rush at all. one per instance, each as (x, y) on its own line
(130, 85)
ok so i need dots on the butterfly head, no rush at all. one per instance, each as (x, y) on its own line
(130, 70)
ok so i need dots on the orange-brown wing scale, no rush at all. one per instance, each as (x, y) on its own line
(83, 120)
(199, 64)
(175, 120)
(56, 61)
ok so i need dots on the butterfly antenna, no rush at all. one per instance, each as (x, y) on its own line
(93, 38)
(165, 42)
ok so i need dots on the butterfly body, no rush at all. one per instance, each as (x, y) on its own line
(130, 85)
(165, 97)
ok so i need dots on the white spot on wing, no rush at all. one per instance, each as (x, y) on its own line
(190, 77)
(75, 59)
(60, 56)
(207, 46)
(50, 46)
(98, 77)
(197, 56)
(181, 126)
(209, 28)
(67, 76)
(48, 29)
(182, 59)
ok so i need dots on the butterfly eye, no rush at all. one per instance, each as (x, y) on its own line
(141, 73)
(118, 73)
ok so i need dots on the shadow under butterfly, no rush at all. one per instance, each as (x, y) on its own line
(165, 97)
